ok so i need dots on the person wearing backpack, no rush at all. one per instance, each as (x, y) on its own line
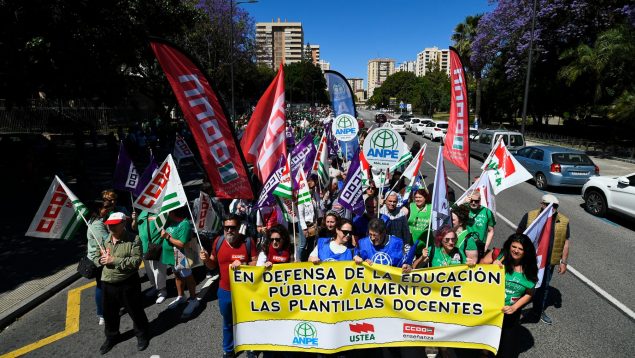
(229, 251)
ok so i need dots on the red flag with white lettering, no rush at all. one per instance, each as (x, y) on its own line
(264, 139)
(212, 132)
(457, 142)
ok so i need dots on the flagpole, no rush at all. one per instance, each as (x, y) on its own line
(187, 203)
(132, 201)
(295, 241)
(91, 231)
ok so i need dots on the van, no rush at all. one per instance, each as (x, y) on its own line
(481, 145)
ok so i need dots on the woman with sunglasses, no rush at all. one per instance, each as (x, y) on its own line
(380, 248)
(444, 251)
(467, 240)
(276, 248)
(334, 249)
(521, 275)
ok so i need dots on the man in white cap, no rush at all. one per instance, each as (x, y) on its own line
(558, 252)
(121, 257)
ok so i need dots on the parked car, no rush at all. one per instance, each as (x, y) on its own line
(423, 123)
(405, 116)
(398, 125)
(435, 130)
(481, 145)
(557, 166)
(603, 193)
(380, 118)
(412, 124)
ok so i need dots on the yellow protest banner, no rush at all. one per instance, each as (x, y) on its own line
(337, 306)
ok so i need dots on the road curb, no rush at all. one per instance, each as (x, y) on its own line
(33, 301)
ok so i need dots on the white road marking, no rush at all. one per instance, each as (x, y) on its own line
(619, 305)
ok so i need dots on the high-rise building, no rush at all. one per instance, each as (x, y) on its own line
(407, 66)
(378, 70)
(428, 56)
(357, 86)
(315, 53)
(279, 41)
(323, 65)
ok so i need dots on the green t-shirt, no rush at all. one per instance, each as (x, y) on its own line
(440, 258)
(464, 243)
(479, 221)
(145, 221)
(180, 231)
(418, 221)
(516, 285)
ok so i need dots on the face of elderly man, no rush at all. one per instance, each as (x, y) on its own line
(391, 202)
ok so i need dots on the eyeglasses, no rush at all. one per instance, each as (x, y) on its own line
(347, 232)
(276, 239)
(475, 201)
(448, 239)
(228, 228)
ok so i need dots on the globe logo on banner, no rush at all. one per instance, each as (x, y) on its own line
(381, 258)
(339, 91)
(305, 334)
(345, 127)
(382, 147)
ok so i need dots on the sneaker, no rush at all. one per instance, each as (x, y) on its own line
(546, 319)
(160, 300)
(101, 321)
(107, 346)
(161, 297)
(142, 343)
(177, 301)
(192, 304)
(152, 292)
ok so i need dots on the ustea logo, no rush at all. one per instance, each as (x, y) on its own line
(305, 334)
(364, 332)
(418, 331)
(345, 127)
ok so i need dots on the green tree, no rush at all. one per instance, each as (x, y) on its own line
(304, 83)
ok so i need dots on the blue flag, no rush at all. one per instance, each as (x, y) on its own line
(343, 102)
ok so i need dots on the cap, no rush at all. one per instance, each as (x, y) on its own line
(550, 199)
(115, 218)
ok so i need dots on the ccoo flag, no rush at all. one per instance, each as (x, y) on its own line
(505, 169)
(440, 206)
(484, 185)
(540, 234)
(285, 187)
(413, 168)
(59, 215)
(181, 149)
(207, 219)
(321, 165)
(351, 196)
(147, 175)
(163, 194)
(264, 139)
(126, 175)
(222, 158)
(457, 142)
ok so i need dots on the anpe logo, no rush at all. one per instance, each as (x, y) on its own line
(345, 127)
(305, 334)
(417, 331)
(365, 332)
(385, 145)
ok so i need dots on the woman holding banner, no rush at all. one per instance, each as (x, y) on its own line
(467, 241)
(518, 256)
(276, 248)
(335, 249)
(444, 251)
(419, 217)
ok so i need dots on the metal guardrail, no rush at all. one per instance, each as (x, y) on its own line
(624, 149)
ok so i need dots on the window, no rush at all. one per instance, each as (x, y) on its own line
(631, 180)
(537, 154)
(571, 159)
(516, 140)
(442, 125)
(524, 152)
(485, 138)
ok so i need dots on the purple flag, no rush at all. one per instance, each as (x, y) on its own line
(147, 175)
(352, 196)
(126, 175)
(266, 193)
(302, 156)
(290, 137)
(331, 141)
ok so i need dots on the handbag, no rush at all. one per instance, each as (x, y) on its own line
(86, 268)
(311, 231)
(154, 250)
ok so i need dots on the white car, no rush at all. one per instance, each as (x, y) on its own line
(423, 123)
(602, 193)
(412, 124)
(436, 130)
(398, 125)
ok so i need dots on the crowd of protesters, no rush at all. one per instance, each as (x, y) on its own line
(392, 231)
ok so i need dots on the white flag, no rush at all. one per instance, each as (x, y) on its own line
(207, 218)
(484, 186)
(440, 206)
(163, 193)
(59, 214)
(540, 234)
(413, 168)
(181, 149)
(506, 171)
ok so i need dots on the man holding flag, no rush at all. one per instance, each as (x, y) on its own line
(557, 253)
(481, 221)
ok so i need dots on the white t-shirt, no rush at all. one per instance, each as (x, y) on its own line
(334, 246)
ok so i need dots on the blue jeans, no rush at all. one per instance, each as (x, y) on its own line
(540, 297)
(225, 306)
(98, 295)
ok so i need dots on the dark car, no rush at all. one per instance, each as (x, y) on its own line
(380, 118)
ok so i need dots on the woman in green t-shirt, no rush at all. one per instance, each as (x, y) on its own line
(444, 251)
(419, 218)
(467, 242)
(518, 256)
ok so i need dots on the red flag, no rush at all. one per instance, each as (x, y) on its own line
(263, 140)
(457, 141)
(211, 130)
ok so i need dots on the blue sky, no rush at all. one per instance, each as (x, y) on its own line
(352, 32)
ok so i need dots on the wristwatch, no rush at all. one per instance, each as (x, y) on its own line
(562, 262)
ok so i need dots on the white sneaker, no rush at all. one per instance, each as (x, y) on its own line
(177, 301)
(192, 304)
(160, 300)
(101, 321)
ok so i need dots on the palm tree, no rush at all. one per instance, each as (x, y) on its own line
(463, 36)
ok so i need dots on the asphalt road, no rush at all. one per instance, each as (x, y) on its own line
(585, 323)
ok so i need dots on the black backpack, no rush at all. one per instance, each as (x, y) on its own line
(221, 239)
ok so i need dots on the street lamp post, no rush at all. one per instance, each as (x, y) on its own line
(531, 45)
(231, 48)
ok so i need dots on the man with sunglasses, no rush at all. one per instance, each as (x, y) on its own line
(480, 221)
(558, 253)
(229, 251)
